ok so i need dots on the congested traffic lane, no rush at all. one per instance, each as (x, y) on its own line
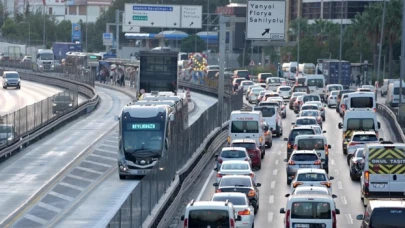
(272, 176)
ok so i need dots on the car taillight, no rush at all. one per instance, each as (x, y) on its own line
(218, 191)
(291, 163)
(327, 184)
(326, 149)
(260, 139)
(219, 175)
(232, 223)
(287, 219)
(296, 184)
(375, 110)
(366, 178)
(289, 145)
(246, 159)
(295, 147)
(185, 223)
(318, 162)
(334, 219)
(245, 212)
(353, 144)
(220, 160)
(251, 193)
(252, 175)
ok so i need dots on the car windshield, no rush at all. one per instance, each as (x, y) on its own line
(315, 82)
(285, 89)
(46, 56)
(245, 145)
(388, 217)
(235, 200)
(309, 107)
(12, 75)
(310, 144)
(304, 157)
(334, 88)
(245, 182)
(243, 74)
(247, 83)
(235, 166)
(293, 69)
(311, 98)
(233, 154)
(208, 218)
(63, 98)
(262, 93)
(296, 132)
(360, 124)
(306, 121)
(299, 191)
(273, 80)
(266, 111)
(6, 129)
(365, 138)
(300, 89)
(311, 177)
(257, 90)
(309, 113)
(318, 130)
(143, 136)
(360, 153)
(334, 93)
(239, 126)
(361, 102)
(311, 210)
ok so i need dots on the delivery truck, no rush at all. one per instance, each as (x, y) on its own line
(330, 70)
(61, 48)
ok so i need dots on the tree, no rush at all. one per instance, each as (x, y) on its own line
(246, 59)
(192, 43)
(64, 31)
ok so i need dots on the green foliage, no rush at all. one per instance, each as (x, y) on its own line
(247, 59)
(192, 43)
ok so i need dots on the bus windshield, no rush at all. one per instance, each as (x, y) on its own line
(141, 135)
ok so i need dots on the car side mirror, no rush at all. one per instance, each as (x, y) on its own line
(116, 117)
(215, 184)
(171, 117)
(271, 129)
(287, 195)
(282, 211)
(285, 139)
(166, 144)
(380, 139)
(334, 196)
(337, 211)
(182, 218)
(216, 169)
(331, 178)
(285, 160)
(293, 123)
(379, 125)
(340, 125)
(324, 131)
(322, 159)
(239, 218)
(324, 106)
(329, 146)
(258, 184)
(297, 115)
(360, 217)
(216, 156)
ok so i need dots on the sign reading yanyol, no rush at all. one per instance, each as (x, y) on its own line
(191, 16)
(265, 20)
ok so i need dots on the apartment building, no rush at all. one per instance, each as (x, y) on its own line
(73, 10)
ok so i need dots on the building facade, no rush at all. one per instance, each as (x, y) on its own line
(73, 10)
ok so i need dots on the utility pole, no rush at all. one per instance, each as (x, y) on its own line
(341, 44)
(208, 23)
(117, 30)
(402, 56)
(221, 80)
(380, 47)
(87, 24)
(44, 38)
(298, 47)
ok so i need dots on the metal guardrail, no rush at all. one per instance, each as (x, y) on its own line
(393, 121)
(49, 124)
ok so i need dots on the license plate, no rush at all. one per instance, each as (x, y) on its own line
(143, 171)
(379, 185)
(304, 166)
(301, 226)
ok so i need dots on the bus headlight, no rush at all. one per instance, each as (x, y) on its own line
(123, 167)
(260, 139)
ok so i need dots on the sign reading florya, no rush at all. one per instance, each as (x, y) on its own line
(265, 20)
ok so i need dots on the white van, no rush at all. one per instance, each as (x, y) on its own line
(361, 101)
(332, 87)
(393, 93)
(307, 68)
(272, 116)
(316, 84)
(286, 70)
(247, 124)
(310, 210)
(293, 70)
(383, 171)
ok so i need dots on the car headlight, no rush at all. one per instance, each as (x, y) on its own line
(123, 167)
(40, 65)
(52, 66)
(10, 138)
(70, 105)
(53, 104)
(5, 79)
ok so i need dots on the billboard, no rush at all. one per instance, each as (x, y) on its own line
(76, 33)
(76, 2)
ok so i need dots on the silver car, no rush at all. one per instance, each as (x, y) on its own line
(304, 121)
(7, 133)
(321, 108)
(232, 153)
(245, 85)
(254, 94)
(302, 159)
(11, 79)
(359, 140)
(235, 168)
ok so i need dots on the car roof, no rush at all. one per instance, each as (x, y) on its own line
(311, 188)
(310, 136)
(236, 177)
(386, 203)
(233, 148)
(312, 102)
(234, 194)
(208, 204)
(243, 140)
(306, 127)
(305, 117)
(10, 71)
(308, 170)
(311, 196)
(235, 162)
(304, 152)
(364, 133)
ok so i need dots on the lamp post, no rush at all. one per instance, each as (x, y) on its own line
(380, 46)
(208, 22)
(402, 69)
(29, 32)
(44, 39)
(341, 44)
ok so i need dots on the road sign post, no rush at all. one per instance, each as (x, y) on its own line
(265, 20)
(108, 39)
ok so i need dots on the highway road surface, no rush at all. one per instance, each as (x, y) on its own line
(272, 176)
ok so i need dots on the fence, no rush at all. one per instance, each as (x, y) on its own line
(139, 204)
(32, 117)
(392, 118)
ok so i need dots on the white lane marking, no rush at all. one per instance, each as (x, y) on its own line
(279, 153)
(205, 185)
(106, 145)
(270, 217)
(343, 199)
(271, 199)
(273, 184)
(89, 170)
(332, 162)
(65, 197)
(349, 218)
(103, 157)
(35, 219)
(97, 163)
(111, 141)
(339, 184)
(71, 186)
(275, 172)
(107, 151)
(49, 207)
(336, 172)
(276, 162)
(80, 178)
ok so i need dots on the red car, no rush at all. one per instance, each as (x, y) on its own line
(252, 149)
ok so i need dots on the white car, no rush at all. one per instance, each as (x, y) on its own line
(372, 88)
(309, 190)
(359, 140)
(284, 91)
(245, 85)
(332, 99)
(317, 210)
(281, 105)
(305, 121)
(321, 108)
(312, 177)
(241, 205)
(234, 168)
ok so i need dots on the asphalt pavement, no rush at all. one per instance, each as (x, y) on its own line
(272, 176)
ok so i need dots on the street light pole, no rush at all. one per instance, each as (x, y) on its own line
(87, 24)
(208, 22)
(402, 56)
(44, 42)
(298, 45)
(380, 46)
(341, 44)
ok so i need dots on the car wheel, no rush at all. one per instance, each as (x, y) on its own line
(323, 118)
(262, 155)
(329, 106)
(348, 159)
(288, 181)
(19, 87)
(344, 151)
(352, 177)
(122, 177)
(253, 225)
(271, 144)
